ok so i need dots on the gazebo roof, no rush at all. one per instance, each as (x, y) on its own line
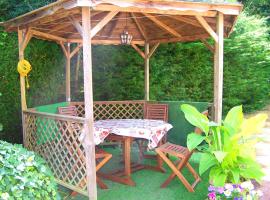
(152, 21)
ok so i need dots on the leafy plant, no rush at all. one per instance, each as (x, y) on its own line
(24, 175)
(227, 148)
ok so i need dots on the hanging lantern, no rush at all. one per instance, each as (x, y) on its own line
(126, 38)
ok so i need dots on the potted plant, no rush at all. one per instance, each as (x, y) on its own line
(227, 150)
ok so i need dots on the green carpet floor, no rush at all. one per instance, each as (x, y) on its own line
(148, 185)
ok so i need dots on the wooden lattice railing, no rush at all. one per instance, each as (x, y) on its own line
(57, 139)
(114, 109)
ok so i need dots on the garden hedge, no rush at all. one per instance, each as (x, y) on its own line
(24, 175)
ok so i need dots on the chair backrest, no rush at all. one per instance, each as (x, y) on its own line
(68, 110)
(156, 111)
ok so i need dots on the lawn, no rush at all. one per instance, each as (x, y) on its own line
(148, 185)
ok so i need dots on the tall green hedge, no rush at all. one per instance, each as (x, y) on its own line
(46, 80)
(185, 71)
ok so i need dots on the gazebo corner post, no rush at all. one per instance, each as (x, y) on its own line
(23, 39)
(66, 51)
(146, 72)
(68, 58)
(218, 68)
(88, 142)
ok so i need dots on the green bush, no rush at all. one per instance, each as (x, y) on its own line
(24, 175)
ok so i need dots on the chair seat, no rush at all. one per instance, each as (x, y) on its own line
(175, 150)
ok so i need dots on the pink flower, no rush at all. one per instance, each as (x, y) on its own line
(212, 196)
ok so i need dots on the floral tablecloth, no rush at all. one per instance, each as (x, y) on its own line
(152, 130)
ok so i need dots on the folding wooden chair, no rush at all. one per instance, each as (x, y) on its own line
(102, 157)
(156, 112)
(183, 155)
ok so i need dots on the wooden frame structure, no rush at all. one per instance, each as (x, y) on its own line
(87, 22)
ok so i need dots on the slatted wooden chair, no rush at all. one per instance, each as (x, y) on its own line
(183, 155)
(102, 157)
(156, 112)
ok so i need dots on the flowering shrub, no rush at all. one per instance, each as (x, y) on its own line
(24, 175)
(243, 191)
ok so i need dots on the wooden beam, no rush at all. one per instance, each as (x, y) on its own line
(76, 24)
(76, 50)
(58, 27)
(48, 36)
(88, 141)
(138, 50)
(209, 46)
(64, 49)
(218, 69)
(139, 26)
(112, 28)
(146, 72)
(22, 81)
(106, 42)
(153, 50)
(103, 22)
(183, 39)
(104, 7)
(207, 27)
(186, 20)
(68, 93)
(27, 38)
(37, 14)
(162, 25)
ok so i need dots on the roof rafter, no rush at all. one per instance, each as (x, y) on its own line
(139, 26)
(163, 25)
(207, 27)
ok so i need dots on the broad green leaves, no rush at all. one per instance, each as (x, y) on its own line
(234, 119)
(207, 161)
(220, 155)
(196, 118)
(228, 148)
(194, 140)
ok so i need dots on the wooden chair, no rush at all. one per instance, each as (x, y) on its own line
(156, 112)
(183, 155)
(102, 157)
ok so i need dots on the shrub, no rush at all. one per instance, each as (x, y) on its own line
(24, 175)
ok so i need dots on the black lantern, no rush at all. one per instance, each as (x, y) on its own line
(125, 37)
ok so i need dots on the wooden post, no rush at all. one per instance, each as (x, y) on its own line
(22, 80)
(68, 94)
(88, 101)
(146, 72)
(218, 69)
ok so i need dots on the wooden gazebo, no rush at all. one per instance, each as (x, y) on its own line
(101, 22)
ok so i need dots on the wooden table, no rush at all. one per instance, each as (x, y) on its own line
(125, 131)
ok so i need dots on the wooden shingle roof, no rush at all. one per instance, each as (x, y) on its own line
(151, 21)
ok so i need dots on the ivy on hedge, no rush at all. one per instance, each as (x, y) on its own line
(24, 175)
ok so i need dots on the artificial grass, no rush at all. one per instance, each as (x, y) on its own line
(148, 186)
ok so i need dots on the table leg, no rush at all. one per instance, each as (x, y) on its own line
(127, 144)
